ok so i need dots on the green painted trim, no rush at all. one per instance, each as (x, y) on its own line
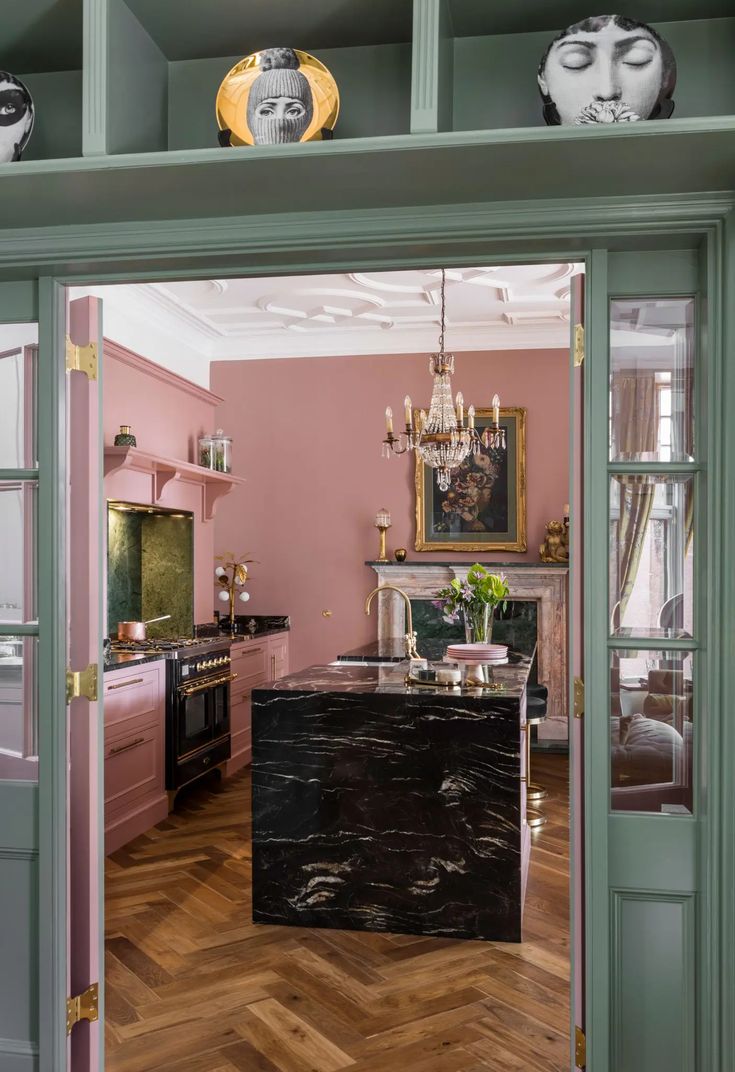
(319, 242)
(654, 468)
(19, 302)
(51, 685)
(639, 644)
(95, 76)
(386, 143)
(18, 474)
(597, 733)
(30, 629)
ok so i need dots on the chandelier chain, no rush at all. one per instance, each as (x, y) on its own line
(443, 308)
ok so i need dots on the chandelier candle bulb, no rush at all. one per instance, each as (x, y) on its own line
(496, 410)
(389, 420)
(407, 410)
(471, 418)
(460, 408)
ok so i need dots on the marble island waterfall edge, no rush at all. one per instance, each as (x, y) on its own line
(379, 809)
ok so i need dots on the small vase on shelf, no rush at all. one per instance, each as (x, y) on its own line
(125, 437)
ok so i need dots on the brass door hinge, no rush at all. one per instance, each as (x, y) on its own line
(578, 697)
(578, 345)
(82, 358)
(81, 683)
(83, 1007)
(580, 1048)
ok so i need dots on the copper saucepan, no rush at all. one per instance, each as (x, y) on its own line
(136, 630)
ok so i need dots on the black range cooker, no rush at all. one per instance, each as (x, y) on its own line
(198, 680)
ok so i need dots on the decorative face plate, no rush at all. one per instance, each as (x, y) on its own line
(277, 96)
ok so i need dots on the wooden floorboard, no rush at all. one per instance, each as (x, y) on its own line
(193, 986)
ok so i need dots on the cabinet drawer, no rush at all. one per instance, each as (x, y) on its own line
(133, 769)
(278, 657)
(250, 663)
(239, 714)
(131, 693)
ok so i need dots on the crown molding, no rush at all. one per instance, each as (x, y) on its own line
(142, 364)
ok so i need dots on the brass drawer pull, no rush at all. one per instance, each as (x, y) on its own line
(125, 747)
(123, 684)
(191, 690)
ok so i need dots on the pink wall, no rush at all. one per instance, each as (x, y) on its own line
(307, 435)
(167, 414)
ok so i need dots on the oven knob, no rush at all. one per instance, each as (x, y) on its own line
(198, 667)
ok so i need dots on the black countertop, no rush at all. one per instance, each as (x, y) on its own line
(508, 682)
(121, 660)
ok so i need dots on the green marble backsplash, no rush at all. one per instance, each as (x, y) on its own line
(150, 571)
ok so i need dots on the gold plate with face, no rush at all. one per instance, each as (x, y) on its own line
(277, 96)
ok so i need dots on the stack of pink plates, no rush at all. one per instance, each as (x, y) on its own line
(478, 653)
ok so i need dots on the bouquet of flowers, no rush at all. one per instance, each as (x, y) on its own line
(475, 599)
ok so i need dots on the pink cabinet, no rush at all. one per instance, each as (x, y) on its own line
(254, 661)
(135, 726)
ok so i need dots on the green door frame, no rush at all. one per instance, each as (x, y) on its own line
(454, 234)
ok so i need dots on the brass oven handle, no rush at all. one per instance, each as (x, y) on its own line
(122, 684)
(190, 690)
(126, 747)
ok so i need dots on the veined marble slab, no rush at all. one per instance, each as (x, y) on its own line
(381, 808)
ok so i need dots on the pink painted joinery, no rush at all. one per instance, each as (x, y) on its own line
(84, 716)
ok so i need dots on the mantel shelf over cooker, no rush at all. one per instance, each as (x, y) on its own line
(163, 470)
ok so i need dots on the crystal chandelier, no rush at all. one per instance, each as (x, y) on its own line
(441, 437)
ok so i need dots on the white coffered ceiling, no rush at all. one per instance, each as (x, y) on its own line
(513, 307)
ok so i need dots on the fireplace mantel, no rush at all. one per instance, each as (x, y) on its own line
(545, 583)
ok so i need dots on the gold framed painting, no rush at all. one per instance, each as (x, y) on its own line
(484, 508)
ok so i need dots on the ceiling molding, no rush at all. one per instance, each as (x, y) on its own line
(511, 307)
(120, 353)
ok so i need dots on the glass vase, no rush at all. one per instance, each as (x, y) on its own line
(478, 624)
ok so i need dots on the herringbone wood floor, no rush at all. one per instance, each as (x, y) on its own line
(194, 986)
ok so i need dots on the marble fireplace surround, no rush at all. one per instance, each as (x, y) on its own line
(546, 584)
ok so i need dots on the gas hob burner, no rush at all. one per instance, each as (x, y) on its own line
(173, 647)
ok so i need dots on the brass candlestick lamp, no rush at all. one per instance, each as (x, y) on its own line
(382, 524)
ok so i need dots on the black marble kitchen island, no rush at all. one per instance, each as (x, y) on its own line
(378, 806)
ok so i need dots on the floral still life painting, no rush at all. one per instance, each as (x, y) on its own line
(484, 508)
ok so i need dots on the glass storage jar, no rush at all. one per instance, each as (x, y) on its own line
(215, 452)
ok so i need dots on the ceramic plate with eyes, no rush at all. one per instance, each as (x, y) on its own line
(232, 98)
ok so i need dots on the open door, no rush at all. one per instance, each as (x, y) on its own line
(84, 608)
(26, 631)
(646, 447)
(576, 659)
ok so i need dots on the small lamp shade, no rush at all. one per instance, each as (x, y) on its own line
(220, 571)
(382, 519)
(223, 596)
(244, 596)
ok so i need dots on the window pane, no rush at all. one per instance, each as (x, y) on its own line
(18, 707)
(651, 556)
(652, 732)
(17, 551)
(652, 380)
(18, 394)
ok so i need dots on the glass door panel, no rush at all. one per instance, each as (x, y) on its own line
(652, 731)
(18, 551)
(18, 701)
(651, 556)
(18, 370)
(652, 380)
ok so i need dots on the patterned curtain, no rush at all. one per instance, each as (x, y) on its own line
(636, 420)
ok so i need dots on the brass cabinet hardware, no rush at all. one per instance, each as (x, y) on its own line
(578, 345)
(578, 697)
(83, 1007)
(82, 358)
(191, 690)
(125, 747)
(326, 614)
(580, 1048)
(124, 684)
(81, 683)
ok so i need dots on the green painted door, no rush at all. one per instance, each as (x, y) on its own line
(647, 447)
(50, 845)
